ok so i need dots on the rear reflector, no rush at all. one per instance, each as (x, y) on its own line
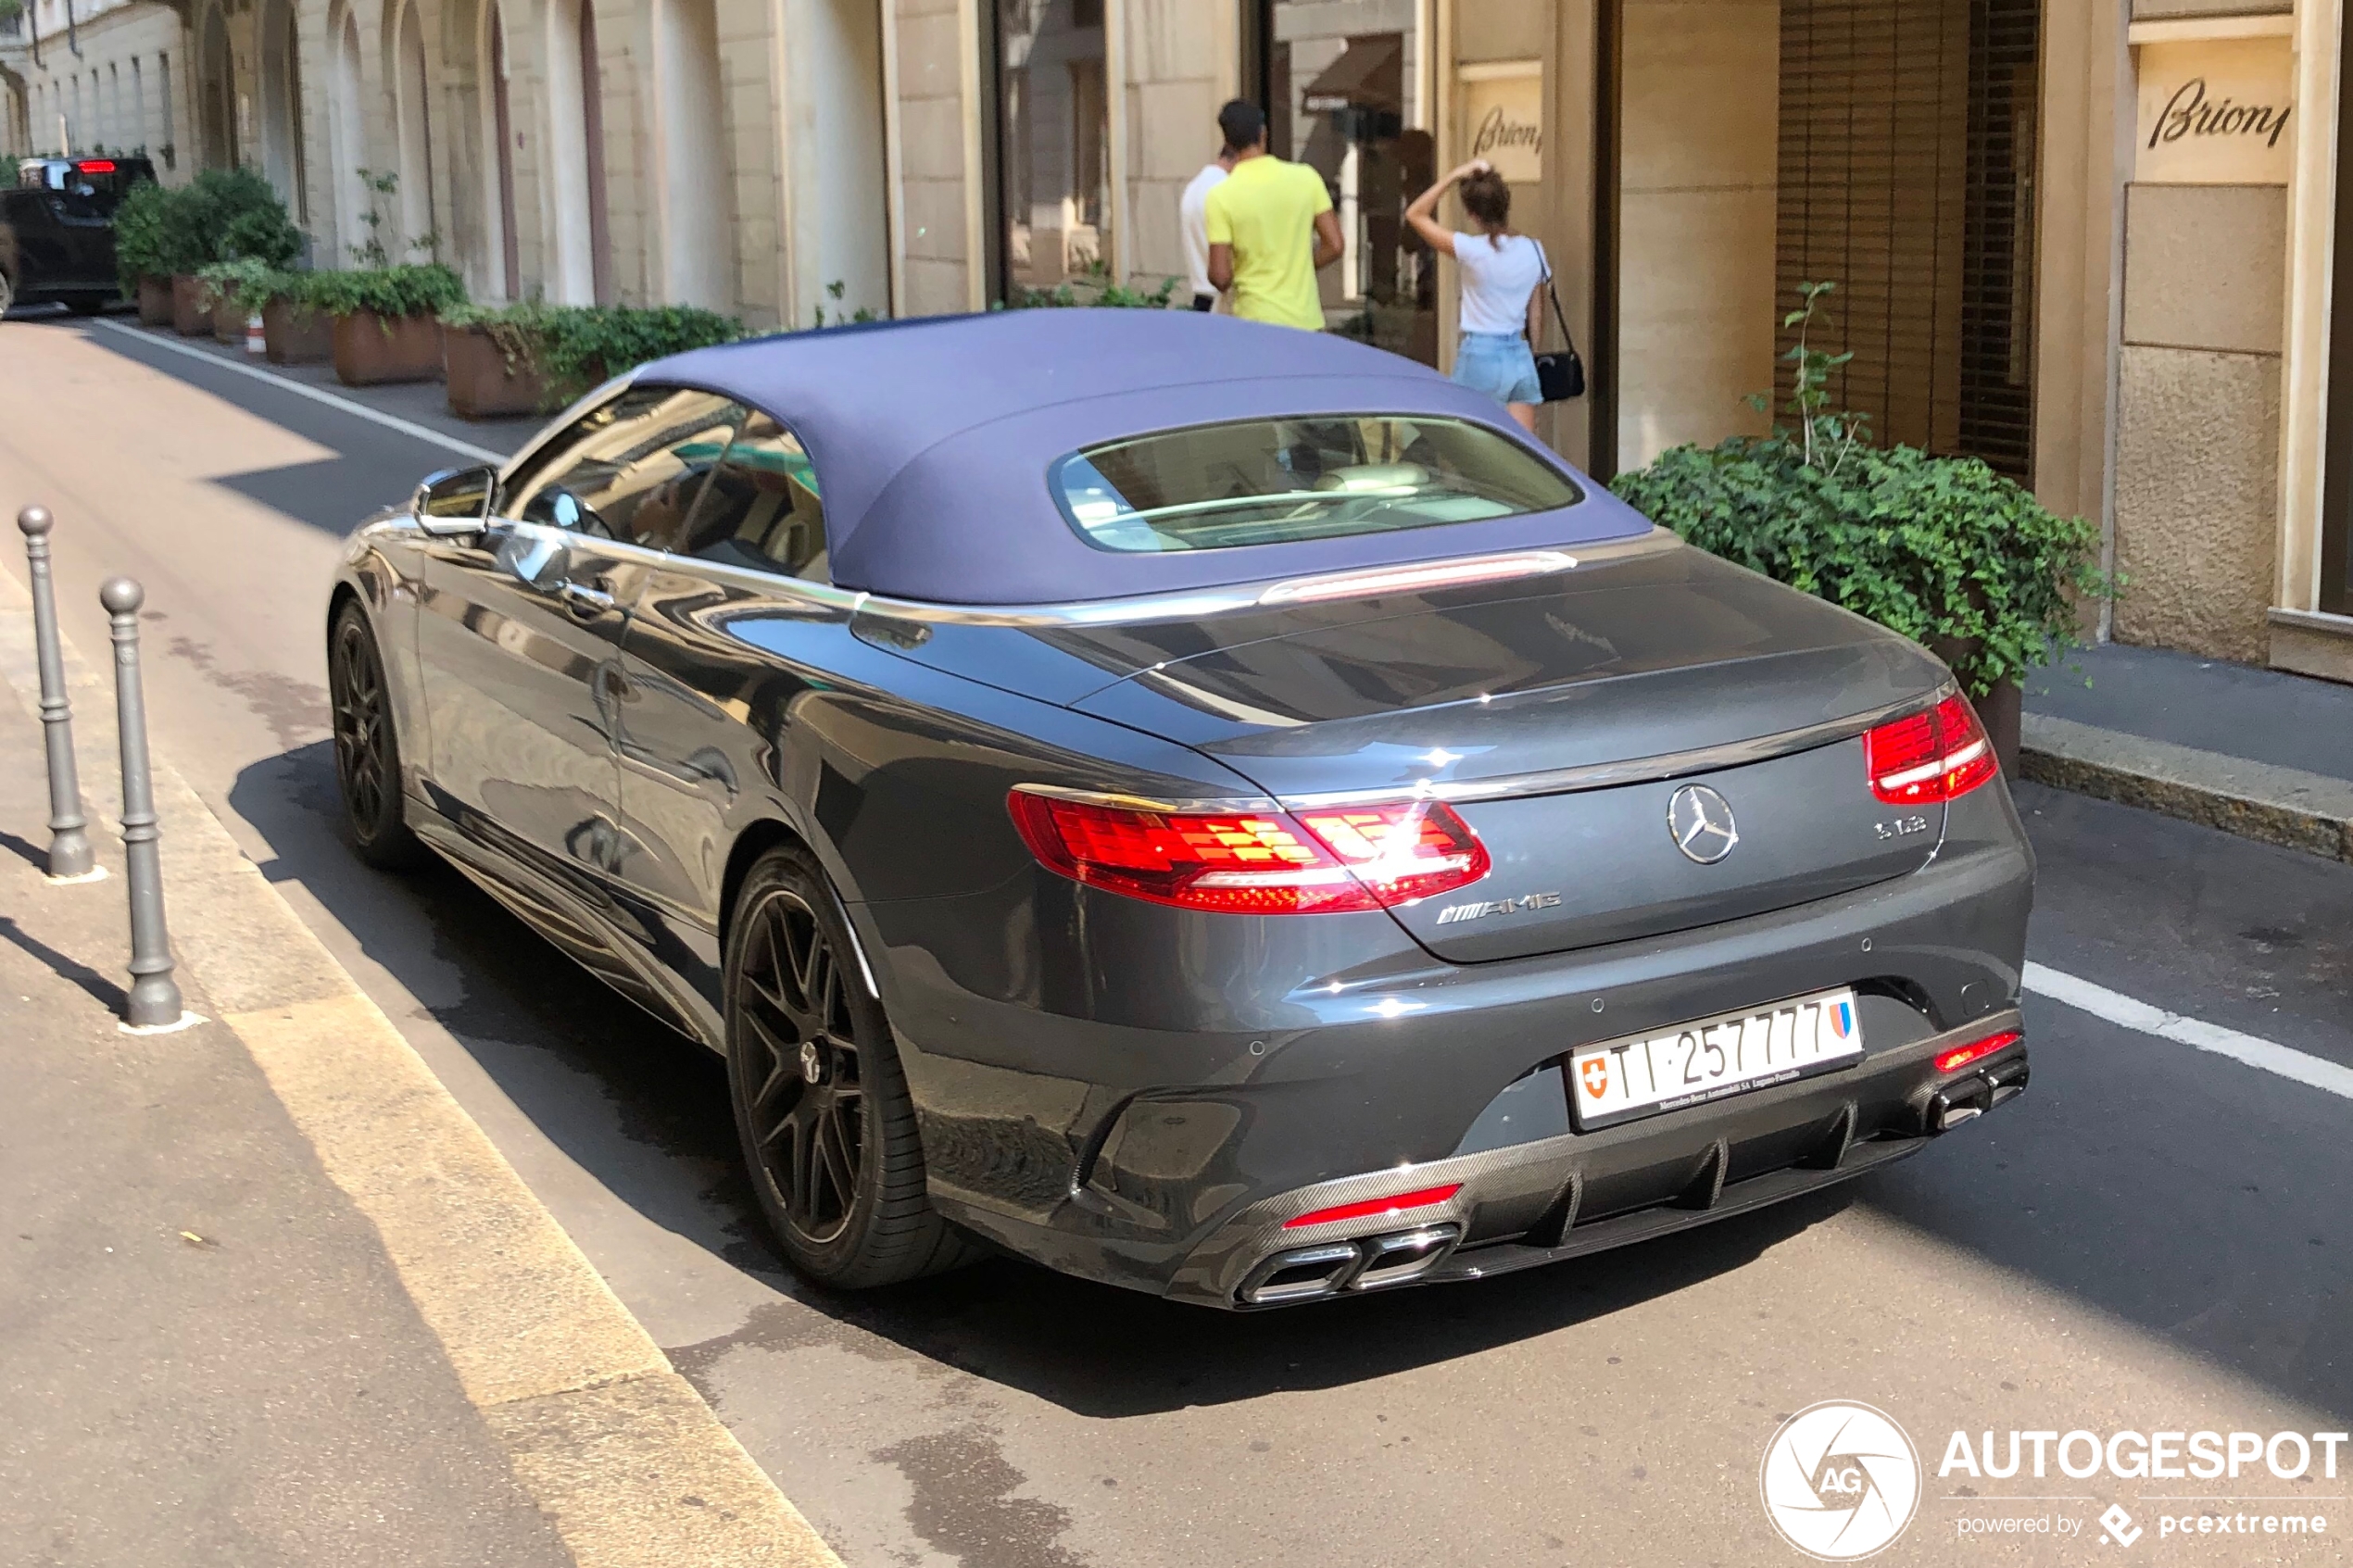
(1976, 1050)
(1322, 862)
(1398, 1205)
(1940, 755)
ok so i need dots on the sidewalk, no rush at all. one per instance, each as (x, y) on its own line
(204, 1355)
(2259, 753)
(268, 1295)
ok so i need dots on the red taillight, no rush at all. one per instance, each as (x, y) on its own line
(1976, 1050)
(1940, 755)
(97, 165)
(1398, 1205)
(1255, 862)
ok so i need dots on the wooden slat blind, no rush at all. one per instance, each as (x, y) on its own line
(1906, 164)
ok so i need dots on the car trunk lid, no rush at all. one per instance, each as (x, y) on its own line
(1563, 724)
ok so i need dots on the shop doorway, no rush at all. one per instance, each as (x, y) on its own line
(1748, 148)
(1909, 139)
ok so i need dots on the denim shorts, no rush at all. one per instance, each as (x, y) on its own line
(1499, 364)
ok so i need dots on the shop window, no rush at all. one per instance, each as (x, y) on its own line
(1053, 152)
(1341, 84)
(1907, 152)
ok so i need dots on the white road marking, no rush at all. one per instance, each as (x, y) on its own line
(2114, 1006)
(303, 389)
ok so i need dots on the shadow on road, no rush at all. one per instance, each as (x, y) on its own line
(2193, 1199)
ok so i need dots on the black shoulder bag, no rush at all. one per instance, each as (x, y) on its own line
(1559, 376)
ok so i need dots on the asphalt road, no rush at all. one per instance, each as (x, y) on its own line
(2153, 1239)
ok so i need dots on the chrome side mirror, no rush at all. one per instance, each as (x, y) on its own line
(455, 502)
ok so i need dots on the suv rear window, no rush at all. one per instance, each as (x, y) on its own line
(1280, 481)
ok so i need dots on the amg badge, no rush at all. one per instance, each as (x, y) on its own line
(1454, 912)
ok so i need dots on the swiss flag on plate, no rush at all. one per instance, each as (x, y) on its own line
(1594, 1073)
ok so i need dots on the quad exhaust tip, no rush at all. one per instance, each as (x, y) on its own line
(1309, 1274)
(1970, 1098)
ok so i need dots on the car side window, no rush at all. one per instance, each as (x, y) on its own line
(628, 469)
(764, 509)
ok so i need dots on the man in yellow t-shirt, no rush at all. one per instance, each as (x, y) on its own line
(1271, 228)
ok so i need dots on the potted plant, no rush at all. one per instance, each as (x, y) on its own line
(490, 358)
(239, 291)
(383, 319)
(221, 214)
(294, 331)
(1941, 549)
(148, 248)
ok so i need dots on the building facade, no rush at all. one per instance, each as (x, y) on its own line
(2094, 242)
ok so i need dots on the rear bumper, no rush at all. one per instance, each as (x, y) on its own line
(1160, 1148)
(1566, 1196)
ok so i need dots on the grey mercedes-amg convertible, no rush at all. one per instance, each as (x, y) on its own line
(1207, 808)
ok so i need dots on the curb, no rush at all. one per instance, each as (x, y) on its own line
(2280, 805)
(626, 1460)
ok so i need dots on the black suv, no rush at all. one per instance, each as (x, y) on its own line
(56, 230)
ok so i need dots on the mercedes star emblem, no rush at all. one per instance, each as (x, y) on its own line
(1701, 822)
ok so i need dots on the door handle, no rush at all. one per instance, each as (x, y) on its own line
(580, 598)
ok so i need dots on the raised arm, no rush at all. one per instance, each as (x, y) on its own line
(1423, 213)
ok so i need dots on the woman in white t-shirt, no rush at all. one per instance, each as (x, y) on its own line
(1501, 272)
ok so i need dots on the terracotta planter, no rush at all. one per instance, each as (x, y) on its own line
(189, 314)
(297, 337)
(228, 320)
(1998, 710)
(372, 350)
(482, 385)
(155, 302)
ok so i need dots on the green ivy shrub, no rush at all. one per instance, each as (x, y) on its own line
(425, 290)
(574, 348)
(230, 213)
(147, 242)
(249, 282)
(1942, 549)
(221, 214)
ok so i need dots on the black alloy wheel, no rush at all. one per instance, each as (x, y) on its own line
(808, 1109)
(821, 1106)
(367, 745)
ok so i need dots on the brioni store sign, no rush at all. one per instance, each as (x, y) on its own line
(2217, 111)
(1504, 116)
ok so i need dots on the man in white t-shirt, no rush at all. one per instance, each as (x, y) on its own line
(1192, 212)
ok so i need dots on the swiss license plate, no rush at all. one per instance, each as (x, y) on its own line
(1708, 1059)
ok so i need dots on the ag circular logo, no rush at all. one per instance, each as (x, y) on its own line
(1841, 1481)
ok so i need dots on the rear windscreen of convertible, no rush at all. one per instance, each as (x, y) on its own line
(1283, 482)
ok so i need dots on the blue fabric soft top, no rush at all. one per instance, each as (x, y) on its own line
(932, 439)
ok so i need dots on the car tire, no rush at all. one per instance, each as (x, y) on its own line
(7, 292)
(367, 744)
(828, 1126)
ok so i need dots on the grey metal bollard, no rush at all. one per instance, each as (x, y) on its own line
(70, 853)
(154, 999)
